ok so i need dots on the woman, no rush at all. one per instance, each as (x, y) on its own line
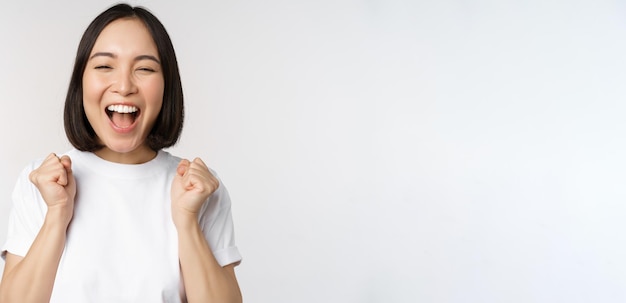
(117, 219)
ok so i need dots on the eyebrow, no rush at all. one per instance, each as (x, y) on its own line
(138, 58)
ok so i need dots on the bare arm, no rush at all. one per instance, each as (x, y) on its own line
(204, 279)
(31, 278)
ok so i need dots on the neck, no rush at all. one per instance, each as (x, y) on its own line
(138, 156)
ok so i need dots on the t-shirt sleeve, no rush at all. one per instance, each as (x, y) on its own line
(216, 222)
(26, 217)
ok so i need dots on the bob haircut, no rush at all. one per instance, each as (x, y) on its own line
(169, 122)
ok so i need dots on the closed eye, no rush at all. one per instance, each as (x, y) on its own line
(102, 67)
(146, 69)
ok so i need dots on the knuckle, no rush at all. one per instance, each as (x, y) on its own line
(33, 176)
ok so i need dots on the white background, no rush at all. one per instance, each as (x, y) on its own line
(379, 151)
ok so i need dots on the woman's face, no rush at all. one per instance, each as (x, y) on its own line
(123, 90)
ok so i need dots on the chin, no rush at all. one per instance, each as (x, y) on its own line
(122, 148)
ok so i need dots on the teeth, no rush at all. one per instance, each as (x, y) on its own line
(122, 109)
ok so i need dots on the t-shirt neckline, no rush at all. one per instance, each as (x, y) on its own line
(119, 170)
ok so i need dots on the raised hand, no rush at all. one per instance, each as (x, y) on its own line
(191, 186)
(56, 183)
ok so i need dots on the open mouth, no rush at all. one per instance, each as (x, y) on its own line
(122, 116)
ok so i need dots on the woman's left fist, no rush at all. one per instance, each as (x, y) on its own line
(191, 187)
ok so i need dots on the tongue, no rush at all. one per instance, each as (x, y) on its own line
(122, 120)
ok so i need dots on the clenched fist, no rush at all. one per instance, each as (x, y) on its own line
(55, 181)
(191, 187)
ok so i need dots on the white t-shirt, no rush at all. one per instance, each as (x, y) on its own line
(121, 244)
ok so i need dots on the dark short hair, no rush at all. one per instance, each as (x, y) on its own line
(169, 123)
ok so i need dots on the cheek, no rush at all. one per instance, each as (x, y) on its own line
(91, 88)
(154, 93)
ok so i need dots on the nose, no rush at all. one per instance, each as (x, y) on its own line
(124, 84)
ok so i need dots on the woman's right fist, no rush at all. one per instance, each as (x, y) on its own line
(55, 181)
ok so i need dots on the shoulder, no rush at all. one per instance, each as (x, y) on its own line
(34, 164)
(167, 160)
(171, 160)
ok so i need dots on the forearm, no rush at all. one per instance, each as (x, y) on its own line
(32, 279)
(205, 280)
